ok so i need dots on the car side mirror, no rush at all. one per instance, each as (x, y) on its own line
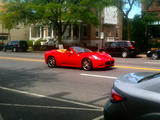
(69, 52)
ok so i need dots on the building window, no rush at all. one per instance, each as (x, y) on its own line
(97, 32)
(158, 3)
(49, 31)
(117, 31)
(84, 30)
(3, 37)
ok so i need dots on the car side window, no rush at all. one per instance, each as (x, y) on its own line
(125, 44)
(113, 45)
(119, 44)
(10, 43)
(15, 42)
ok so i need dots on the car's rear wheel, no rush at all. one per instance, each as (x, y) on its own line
(87, 64)
(124, 54)
(154, 56)
(51, 61)
(14, 50)
(4, 49)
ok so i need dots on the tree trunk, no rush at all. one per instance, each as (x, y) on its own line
(59, 38)
(146, 31)
(128, 29)
(9, 34)
(60, 34)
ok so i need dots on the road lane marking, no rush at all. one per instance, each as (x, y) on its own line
(23, 59)
(100, 76)
(51, 98)
(40, 60)
(139, 68)
(50, 107)
(155, 63)
(98, 118)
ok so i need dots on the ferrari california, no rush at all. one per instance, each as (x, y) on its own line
(78, 57)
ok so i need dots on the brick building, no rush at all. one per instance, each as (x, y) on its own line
(154, 27)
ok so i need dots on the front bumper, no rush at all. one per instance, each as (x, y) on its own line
(103, 64)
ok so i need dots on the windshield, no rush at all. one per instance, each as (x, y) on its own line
(80, 50)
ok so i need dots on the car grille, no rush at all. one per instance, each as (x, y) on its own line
(109, 62)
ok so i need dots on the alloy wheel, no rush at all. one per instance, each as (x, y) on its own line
(51, 62)
(154, 56)
(87, 64)
(14, 50)
(124, 54)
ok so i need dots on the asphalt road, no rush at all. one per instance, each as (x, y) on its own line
(29, 90)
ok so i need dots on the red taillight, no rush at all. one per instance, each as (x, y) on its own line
(132, 47)
(116, 97)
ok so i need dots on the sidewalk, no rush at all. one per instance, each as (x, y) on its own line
(142, 56)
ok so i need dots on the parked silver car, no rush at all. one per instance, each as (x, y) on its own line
(135, 96)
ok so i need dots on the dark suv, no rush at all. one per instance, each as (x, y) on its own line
(16, 45)
(121, 48)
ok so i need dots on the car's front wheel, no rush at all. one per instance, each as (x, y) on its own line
(87, 64)
(154, 56)
(124, 54)
(14, 50)
(51, 61)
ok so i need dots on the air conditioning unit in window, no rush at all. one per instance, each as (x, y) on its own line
(110, 39)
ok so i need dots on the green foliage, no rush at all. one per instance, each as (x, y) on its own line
(138, 33)
(58, 13)
(155, 45)
(38, 42)
(30, 43)
(139, 30)
(150, 17)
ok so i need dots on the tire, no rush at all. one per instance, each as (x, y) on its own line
(154, 56)
(51, 61)
(86, 64)
(124, 54)
(4, 49)
(14, 50)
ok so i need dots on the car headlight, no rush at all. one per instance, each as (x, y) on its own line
(97, 58)
(109, 55)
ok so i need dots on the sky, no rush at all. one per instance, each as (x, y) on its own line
(135, 10)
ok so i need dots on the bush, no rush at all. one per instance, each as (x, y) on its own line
(155, 45)
(30, 43)
(37, 45)
(38, 42)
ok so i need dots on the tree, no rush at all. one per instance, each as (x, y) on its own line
(140, 34)
(58, 13)
(125, 7)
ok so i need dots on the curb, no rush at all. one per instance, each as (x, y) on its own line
(142, 56)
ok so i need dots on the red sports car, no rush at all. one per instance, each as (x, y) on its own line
(78, 57)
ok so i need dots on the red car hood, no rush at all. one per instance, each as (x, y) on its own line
(99, 54)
